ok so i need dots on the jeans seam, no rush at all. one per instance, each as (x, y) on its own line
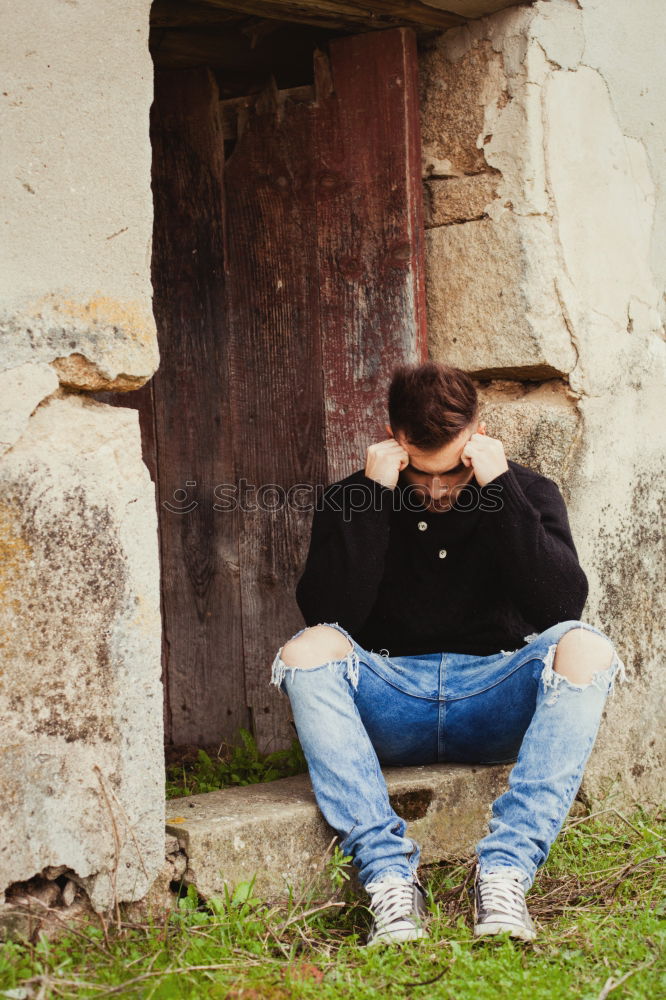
(546, 659)
(408, 694)
(473, 694)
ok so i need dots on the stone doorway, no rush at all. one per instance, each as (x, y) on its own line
(288, 276)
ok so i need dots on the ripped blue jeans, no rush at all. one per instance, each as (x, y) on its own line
(369, 709)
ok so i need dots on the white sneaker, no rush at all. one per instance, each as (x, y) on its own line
(399, 910)
(499, 904)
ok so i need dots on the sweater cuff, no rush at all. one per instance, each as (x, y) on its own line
(503, 493)
(358, 494)
(382, 496)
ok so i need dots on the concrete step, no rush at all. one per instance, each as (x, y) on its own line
(275, 831)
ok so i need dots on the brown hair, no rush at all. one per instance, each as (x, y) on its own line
(431, 403)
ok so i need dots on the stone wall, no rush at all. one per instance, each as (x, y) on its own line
(82, 763)
(546, 228)
(546, 216)
(76, 207)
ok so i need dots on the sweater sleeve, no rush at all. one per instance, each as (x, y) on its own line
(529, 534)
(345, 561)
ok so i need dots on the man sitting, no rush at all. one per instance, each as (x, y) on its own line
(442, 595)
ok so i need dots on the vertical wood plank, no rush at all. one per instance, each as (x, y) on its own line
(275, 379)
(280, 315)
(370, 229)
(199, 545)
(325, 278)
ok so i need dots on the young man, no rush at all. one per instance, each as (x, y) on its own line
(442, 595)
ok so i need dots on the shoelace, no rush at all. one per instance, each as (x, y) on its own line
(503, 892)
(391, 899)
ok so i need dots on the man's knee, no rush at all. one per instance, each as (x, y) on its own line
(317, 645)
(581, 653)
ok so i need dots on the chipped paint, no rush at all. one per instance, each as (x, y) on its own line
(95, 344)
(98, 311)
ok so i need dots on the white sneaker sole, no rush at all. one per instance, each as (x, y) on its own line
(497, 927)
(398, 937)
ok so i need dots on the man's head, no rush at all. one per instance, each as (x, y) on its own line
(433, 412)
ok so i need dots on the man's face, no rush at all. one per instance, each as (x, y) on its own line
(437, 476)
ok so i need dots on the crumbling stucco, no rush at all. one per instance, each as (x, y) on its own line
(21, 390)
(553, 275)
(98, 345)
(625, 46)
(82, 763)
(75, 196)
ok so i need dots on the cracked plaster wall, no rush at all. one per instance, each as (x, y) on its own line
(546, 271)
(546, 212)
(82, 761)
(628, 54)
(75, 202)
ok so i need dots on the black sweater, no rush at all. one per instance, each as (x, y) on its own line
(508, 566)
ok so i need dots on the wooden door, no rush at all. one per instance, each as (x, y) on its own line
(288, 281)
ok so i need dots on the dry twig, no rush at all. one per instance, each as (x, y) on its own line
(603, 812)
(612, 984)
(308, 913)
(116, 842)
(62, 920)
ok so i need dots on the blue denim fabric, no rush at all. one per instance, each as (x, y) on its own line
(369, 709)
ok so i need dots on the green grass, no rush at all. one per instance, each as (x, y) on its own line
(599, 904)
(241, 764)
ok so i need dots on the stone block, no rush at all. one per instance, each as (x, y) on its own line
(458, 199)
(493, 307)
(454, 94)
(275, 831)
(82, 762)
(539, 427)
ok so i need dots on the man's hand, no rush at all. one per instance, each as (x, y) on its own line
(487, 456)
(384, 461)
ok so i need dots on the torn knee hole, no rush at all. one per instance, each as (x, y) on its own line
(315, 647)
(602, 678)
(586, 653)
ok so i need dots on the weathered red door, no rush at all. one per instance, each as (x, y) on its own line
(288, 282)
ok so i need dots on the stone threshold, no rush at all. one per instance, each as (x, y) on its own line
(275, 833)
